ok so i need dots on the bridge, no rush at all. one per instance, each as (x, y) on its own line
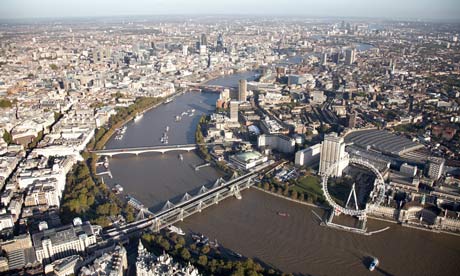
(140, 150)
(188, 205)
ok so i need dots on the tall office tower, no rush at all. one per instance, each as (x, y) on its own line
(350, 56)
(220, 42)
(352, 119)
(185, 50)
(203, 50)
(234, 111)
(411, 103)
(335, 58)
(243, 90)
(324, 59)
(333, 152)
(435, 167)
(204, 39)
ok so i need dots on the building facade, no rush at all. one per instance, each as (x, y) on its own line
(61, 242)
(309, 156)
(333, 154)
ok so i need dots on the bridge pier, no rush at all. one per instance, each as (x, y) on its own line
(216, 198)
(181, 214)
(236, 191)
(156, 225)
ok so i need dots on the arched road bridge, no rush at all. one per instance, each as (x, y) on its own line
(140, 150)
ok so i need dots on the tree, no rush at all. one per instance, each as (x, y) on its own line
(266, 186)
(53, 67)
(181, 241)
(5, 103)
(185, 254)
(279, 191)
(294, 195)
(7, 137)
(205, 249)
(165, 245)
(203, 260)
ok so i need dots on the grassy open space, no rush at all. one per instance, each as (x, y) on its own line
(310, 185)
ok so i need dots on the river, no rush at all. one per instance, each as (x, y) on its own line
(250, 226)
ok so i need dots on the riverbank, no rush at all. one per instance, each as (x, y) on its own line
(103, 135)
(416, 227)
(290, 199)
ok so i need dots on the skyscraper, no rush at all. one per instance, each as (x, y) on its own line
(335, 58)
(435, 167)
(234, 111)
(350, 56)
(324, 59)
(204, 39)
(352, 119)
(220, 43)
(242, 90)
(333, 152)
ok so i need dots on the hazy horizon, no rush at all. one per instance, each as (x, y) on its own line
(440, 10)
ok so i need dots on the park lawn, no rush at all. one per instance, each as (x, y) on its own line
(309, 184)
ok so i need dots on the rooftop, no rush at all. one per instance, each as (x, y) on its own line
(383, 141)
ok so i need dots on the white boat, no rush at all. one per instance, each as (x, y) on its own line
(167, 128)
(176, 230)
(138, 117)
(178, 118)
(373, 264)
(181, 157)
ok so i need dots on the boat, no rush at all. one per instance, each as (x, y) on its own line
(168, 100)
(138, 117)
(117, 189)
(181, 157)
(167, 128)
(283, 214)
(176, 230)
(178, 118)
(214, 244)
(236, 254)
(373, 264)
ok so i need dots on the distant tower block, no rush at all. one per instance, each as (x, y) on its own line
(243, 90)
(324, 59)
(234, 111)
(350, 55)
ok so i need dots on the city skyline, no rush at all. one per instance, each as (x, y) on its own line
(390, 9)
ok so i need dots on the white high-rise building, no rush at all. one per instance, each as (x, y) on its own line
(243, 90)
(234, 111)
(332, 152)
(435, 167)
(184, 50)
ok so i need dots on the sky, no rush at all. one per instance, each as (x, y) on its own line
(401, 9)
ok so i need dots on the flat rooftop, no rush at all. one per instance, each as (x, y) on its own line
(383, 141)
